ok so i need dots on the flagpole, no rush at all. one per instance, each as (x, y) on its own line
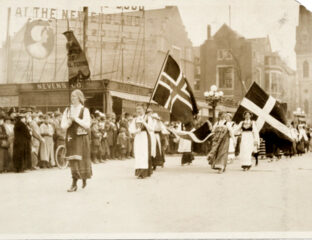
(162, 68)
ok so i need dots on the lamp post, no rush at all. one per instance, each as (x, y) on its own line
(213, 97)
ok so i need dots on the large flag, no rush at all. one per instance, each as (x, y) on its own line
(173, 92)
(78, 67)
(269, 114)
(199, 135)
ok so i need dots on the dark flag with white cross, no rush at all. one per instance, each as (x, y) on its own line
(199, 135)
(173, 92)
(269, 115)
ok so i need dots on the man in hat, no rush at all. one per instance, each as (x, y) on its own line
(22, 144)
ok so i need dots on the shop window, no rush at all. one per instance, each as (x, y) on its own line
(225, 77)
(305, 69)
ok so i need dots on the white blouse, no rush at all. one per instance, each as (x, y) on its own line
(74, 112)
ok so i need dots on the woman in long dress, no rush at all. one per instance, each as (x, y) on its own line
(77, 121)
(218, 155)
(160, 129)
(231, 124)
(249, 141)
(140, 127)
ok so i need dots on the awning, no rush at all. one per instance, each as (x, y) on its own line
(130, 97)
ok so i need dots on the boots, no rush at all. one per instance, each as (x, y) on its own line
(73, 187)
(84, 183)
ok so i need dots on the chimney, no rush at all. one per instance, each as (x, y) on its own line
(208, 32)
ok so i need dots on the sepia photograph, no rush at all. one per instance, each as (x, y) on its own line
(156, 119)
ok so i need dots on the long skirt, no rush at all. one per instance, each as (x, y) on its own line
(221, 157)
(187, 158)
(81, 169)
(160, 158)
(142, 148)
(246, 149)
(231, 155)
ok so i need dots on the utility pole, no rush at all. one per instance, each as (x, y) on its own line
(230, 16)
(85, 28)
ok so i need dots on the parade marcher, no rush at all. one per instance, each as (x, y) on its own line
(4, 146)
(218, 155)
(36, 140)
(249, 141)
(47, 131)
(231, 124)
(302, 138)
(152, 122)
(140, 128)
(160, 129)
(77, 121)
(21, 145)
(185, 146)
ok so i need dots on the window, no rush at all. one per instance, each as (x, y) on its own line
(267, 81)
(274, 83)
(188, 54)
(305, 69)
(225, 77)
(197, 85)
(266, 60)
(273, 60)
(224, 54)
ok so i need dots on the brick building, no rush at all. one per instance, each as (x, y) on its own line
(233, 63)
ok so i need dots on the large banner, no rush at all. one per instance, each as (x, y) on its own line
(78, 67)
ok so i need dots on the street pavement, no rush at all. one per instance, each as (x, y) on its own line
(273, 196)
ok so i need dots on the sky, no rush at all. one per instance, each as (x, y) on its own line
(250, 18)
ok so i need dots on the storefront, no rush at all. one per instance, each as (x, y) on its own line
(104, 95)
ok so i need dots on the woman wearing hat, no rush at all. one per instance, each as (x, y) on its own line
(249, 140)
(77, 121)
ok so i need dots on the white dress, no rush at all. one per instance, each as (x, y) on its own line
(249, 136)
(140, 145)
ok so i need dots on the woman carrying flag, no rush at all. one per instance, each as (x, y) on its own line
(140, 128)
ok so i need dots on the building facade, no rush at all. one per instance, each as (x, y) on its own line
(233, 63)
(124, 47)
(303, 51)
